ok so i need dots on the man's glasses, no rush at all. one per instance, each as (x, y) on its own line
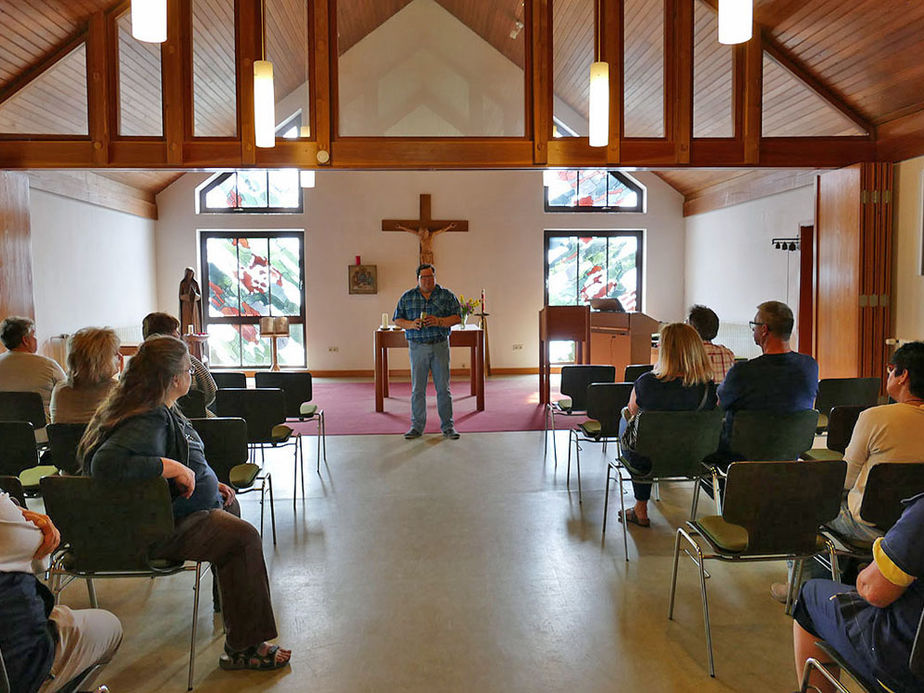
(753, 324)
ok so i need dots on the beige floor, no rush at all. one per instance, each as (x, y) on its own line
(434, 565)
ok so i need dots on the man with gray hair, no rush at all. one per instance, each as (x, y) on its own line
(21, 368)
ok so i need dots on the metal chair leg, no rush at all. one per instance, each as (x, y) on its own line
(554, 443)
(670, 605)
(323, 433)
(319, 446)
(192, 637)
(300, 457)
(91, 592)
(706, 625)
(577, 461)
(269, 481)
(795, 582)
(606, 501)
(821, 668)
(622, 511)
(568, 471)
(697, 488)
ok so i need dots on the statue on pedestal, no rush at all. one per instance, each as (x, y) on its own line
(190, 303)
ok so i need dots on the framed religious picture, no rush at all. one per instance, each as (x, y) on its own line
(362, 279)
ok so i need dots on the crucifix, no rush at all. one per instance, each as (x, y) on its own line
(424, 228)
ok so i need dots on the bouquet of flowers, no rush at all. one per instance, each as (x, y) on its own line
(468, 306)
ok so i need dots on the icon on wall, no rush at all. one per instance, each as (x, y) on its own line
(363, 279)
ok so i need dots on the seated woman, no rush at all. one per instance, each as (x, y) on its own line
(681, 381)
(93, 361)
(137, 433)
(45, 647)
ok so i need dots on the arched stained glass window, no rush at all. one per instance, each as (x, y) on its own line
(594, 190)
(252, 191)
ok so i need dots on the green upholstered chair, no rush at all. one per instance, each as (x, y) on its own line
(63, 439)
(634, 370)
(108, 530)
(605, 402)
(19, 456)
(264, 410)
(841, 422)
(835, 392)
(225, 379)
(298, 392)
(676, 442)
(225, 443)
(772, 512)
(13, 486)
(574, 382)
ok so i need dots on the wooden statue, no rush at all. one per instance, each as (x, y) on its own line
(424, 228)
(190, 302)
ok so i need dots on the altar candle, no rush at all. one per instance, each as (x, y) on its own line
(358, 260)
(482, 300)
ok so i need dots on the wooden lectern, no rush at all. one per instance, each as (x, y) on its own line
(566, 324)
(620, 339)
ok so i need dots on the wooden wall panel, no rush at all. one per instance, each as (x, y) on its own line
(15, 246)
(837, 222)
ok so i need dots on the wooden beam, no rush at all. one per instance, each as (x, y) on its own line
(749, 68)
(539, 56)
(797, 69)
(324, 66)
(678, 105)
(91, 187)
(822, 152)
(752, 185)
(100, 59)
(16, 295)
(176, 77)
(613, 47)
(59, 52)
(437, 152)
(901, 139)
(248, 33)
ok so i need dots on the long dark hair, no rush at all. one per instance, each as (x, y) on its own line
(143, 387)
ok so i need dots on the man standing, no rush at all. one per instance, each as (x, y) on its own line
(706, 323)
(21, 368)
(427, 312)
(780, 380)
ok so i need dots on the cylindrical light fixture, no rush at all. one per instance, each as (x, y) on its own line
(599, 110)
(307, 179)
(264, 104)
(149, 20)
(736, 21)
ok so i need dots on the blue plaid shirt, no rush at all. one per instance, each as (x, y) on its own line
(442, 304)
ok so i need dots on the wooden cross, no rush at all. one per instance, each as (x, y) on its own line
(424, 228)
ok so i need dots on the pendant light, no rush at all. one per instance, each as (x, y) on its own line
(599, 106)
(149, 20)
(736, 21)
(264, 97)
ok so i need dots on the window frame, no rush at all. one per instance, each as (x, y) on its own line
(222, 177)
(638, 234)
(627, 181)
(204, 236)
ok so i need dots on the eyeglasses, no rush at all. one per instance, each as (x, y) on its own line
(192, 371)
(753, 324)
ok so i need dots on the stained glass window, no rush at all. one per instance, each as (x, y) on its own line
(594, 190)
(248, 275)
(253, 191)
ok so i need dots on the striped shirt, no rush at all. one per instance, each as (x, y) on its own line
(442, 304)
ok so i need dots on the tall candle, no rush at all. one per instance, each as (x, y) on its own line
(384, 321)
(482, 300)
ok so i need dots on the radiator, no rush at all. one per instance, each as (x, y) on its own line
(56, 347)
(738, 337)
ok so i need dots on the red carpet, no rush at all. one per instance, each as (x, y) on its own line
(511, 404)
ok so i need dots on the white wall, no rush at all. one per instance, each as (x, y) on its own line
(730, 263)
(909, 229)
(501, 253)
(90, 265)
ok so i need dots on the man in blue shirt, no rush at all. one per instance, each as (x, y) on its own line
(426, 313)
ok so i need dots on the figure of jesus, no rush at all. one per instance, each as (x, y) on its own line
(426, 240)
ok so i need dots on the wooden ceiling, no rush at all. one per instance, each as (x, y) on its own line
(863, 52)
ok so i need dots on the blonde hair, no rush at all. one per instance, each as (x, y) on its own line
(91, 356)
(681, 355)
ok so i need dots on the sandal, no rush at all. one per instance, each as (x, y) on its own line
(251, 659)
(631, 517)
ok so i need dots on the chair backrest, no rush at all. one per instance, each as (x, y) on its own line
(833, 392)
(916, 661)
(769, 435)
(12, 485)
(17, 447)
(296, 386)
(633, 371)
(192, 404)
(886, 486)
(604, 404)
(225, 379)
(575, 379)
(23, 406)
(261, 408)
(841, 422)
(225, 442)
(676, 442)
(782, 504)
(63, 439)
(108, 525)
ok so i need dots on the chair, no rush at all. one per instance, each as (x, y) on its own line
(841, 422)
(676, 442)
(915, 664)
(605, 402)
(225, 379)
(633, 371)
(574, 382)
(833, 392)
(63, 439)
(192, 404)
(12, 486)
(264, 410)
(19, 457)
(25, 406)
(108, 530)
(225, 443)
(768, 435)
(772, 512)
(297, 389)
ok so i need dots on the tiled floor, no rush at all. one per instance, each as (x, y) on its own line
(434, 565)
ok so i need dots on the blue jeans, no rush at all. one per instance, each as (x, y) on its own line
(425, 359)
